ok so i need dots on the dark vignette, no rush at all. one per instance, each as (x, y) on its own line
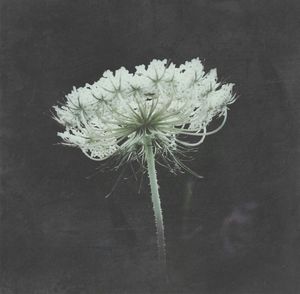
(236, 231)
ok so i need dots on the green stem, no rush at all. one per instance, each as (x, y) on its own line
(161, 244)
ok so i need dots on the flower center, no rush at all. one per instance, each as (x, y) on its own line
(145, 126)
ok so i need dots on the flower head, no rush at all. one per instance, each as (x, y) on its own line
(172, 106)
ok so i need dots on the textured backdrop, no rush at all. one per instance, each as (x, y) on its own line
(235, 231)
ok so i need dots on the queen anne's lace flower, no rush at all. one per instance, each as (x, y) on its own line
(169, 105)
(157, 113)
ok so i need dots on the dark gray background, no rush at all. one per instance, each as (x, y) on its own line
(235, 231)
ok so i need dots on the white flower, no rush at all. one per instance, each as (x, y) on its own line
(160, 112)
(170, 106)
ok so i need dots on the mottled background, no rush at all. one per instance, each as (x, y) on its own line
(235, 231)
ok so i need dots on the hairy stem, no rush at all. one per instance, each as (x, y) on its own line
(161, 244)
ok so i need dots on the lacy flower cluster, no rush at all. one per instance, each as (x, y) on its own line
(170, 106)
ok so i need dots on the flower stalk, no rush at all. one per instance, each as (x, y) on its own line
(160, 235)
